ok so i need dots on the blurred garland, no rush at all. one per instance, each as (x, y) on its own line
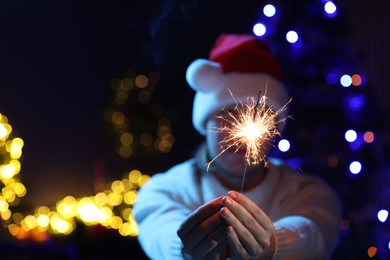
(111, 207)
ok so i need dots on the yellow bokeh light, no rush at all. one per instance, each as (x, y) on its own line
(117, 186)
(127, 213)
(17, 217)
(60, 225)
(128, 185)
(163, 130)
(43, 221)
(100, 199)
(98, 209)
(114, 199)
(3, 204)
(3, 131)
(134, 176)
(30, 222)
(146, 139)
(130, 197)
(16, 148)
(121, 96)
(116, 222)
(118, 118)
(142, 180)
(7, 171)
(125, 151)
(43, 210)
(126, 84)
(164, 145)
(19, 189)
(141, 81)
(6, 215)
(129, 229)
(8, 194)
(126, 138)
(67, 207)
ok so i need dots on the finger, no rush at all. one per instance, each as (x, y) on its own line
(218, 252)
(214, 244)
(203, 231)
(198, 216)
(258, 214)
(237, 249)
(254, 219)
(245, 239)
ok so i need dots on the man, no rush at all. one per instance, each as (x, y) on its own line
(204, 208)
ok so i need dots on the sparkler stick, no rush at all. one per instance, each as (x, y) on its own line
(252, 125)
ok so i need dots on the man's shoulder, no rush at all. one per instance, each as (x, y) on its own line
(183, 170)
(286, 172)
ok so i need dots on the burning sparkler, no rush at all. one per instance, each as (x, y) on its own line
(251, 125)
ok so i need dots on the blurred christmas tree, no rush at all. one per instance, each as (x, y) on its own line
(335, 132)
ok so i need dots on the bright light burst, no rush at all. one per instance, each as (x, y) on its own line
(252, 126)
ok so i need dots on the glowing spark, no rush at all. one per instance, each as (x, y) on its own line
(250, 126)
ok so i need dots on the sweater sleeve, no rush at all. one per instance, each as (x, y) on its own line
(160, 208)
(309, 226)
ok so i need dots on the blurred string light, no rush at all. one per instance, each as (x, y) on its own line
(369, 137)
(351, 83)
(330, 9)
(259, 29)
(346, 80)
(350, 135)
(269, 10)
(382, 215)
(111, 208)
(292, 36)
(371, 251)
(355, 102)
(284, 145)
(140, 89)
(356, 80)
(355, 167)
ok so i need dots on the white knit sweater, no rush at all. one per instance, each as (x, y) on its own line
(304, 209)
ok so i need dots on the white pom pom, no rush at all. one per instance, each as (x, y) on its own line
(203, 75)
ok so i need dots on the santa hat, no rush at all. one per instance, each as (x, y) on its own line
(242, 64)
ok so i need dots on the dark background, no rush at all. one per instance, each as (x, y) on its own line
(57, 59)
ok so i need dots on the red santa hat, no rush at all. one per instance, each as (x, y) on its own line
(240, 63)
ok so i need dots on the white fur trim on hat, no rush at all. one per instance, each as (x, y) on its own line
(212, 90)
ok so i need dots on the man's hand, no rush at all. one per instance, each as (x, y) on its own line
(203, 233)
(250, 231)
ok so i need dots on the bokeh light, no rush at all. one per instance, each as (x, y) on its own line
(345, 80)
(259, 29)
(350, 135)
(269, 10)
(355, 167)
(356, 80)
(110, 208)
(382, 215)
(369, 137)
(284, 145)
(371, 251)
(292, 36)
(330, 8)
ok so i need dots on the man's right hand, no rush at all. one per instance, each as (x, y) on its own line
(203, 233)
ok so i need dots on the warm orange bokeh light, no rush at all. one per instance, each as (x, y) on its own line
(368, 137)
